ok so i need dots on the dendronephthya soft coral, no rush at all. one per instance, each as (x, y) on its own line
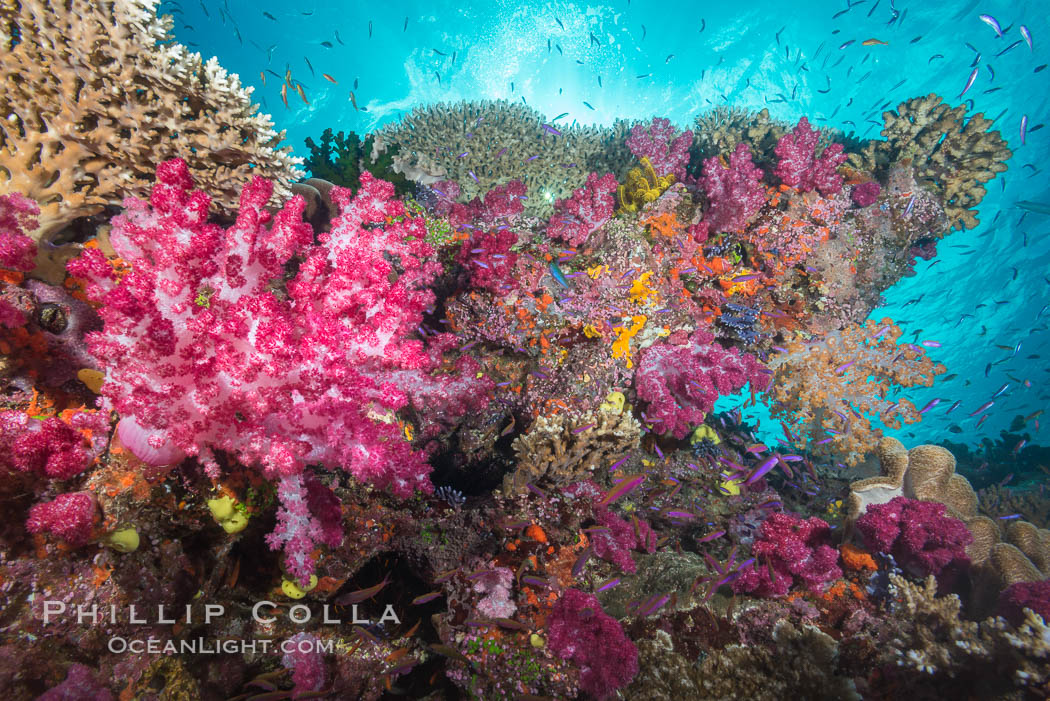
(210, 345)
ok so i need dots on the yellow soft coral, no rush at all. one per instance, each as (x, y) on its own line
(642, 185)
(640, 292)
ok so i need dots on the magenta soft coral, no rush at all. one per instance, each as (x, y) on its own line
(660, 142)
(280, 380)
(503, 204)
(202, 347)
(615, 543)
(488, 259)
(733, 194)
(922, 538)
(590, 207)
(50, 448)
(799, 165)
(787, 548)
(70, 517)
(579, 630)
(682, 382)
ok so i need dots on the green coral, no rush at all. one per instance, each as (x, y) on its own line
(340, 159)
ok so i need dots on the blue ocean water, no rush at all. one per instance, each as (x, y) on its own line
(982, 298)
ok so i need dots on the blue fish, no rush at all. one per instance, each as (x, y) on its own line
(558, 275)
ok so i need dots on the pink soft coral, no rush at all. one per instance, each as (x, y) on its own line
(682, 382)
(799, 165)
(579, 630)
(50, 448)
(18, 216)
(590, 207)
(919, 534)
(488, 259)
(734, 194)
(201, 344)
(789, 547)
(503, 204)
(69, 517)
(666, 149)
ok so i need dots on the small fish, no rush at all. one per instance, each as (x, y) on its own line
(310, 66)
(302, 94)
(369, 29)
(953, 407)
(551, 130)
(845, 44)
(425, 598)
(284, 94)
(983, 407)
(874, 42)
(588, 105)
(405, 28)
(1027, 37)
(262, 75)
(623, 487)
(760, 471)
(1024, 127)
(643, 33)
(711, 536)
(326, 44)
(969, 82)
(356, 597)
(267, 15)
(993, 23)
(1010, 47)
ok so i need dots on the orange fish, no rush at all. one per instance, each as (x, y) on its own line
(288, 76)
(262, 74)
(329, 78)
(874, 42)
(353, 100)
(299, 87)
(284, 95)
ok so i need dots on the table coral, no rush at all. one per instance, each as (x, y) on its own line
(75, 139)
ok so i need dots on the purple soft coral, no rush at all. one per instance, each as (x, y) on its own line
(667, 151)
(578, 629)
(919, 534)
(789, 547)
(586, 211)
(734, 194)
(682, 382)
(799, 165)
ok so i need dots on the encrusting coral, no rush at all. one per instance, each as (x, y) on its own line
(95, 95)
(951, 152)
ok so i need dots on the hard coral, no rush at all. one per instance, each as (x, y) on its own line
(585, 212)
(76, 135)
(578, 629)
(280, 379)
(919, 535)
(800, 167)
(682, 382)
(787, 547)
(952, 153)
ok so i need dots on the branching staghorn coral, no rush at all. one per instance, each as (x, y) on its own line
(96, 94)
(952, 153)
(483, 144)
(831, 389)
